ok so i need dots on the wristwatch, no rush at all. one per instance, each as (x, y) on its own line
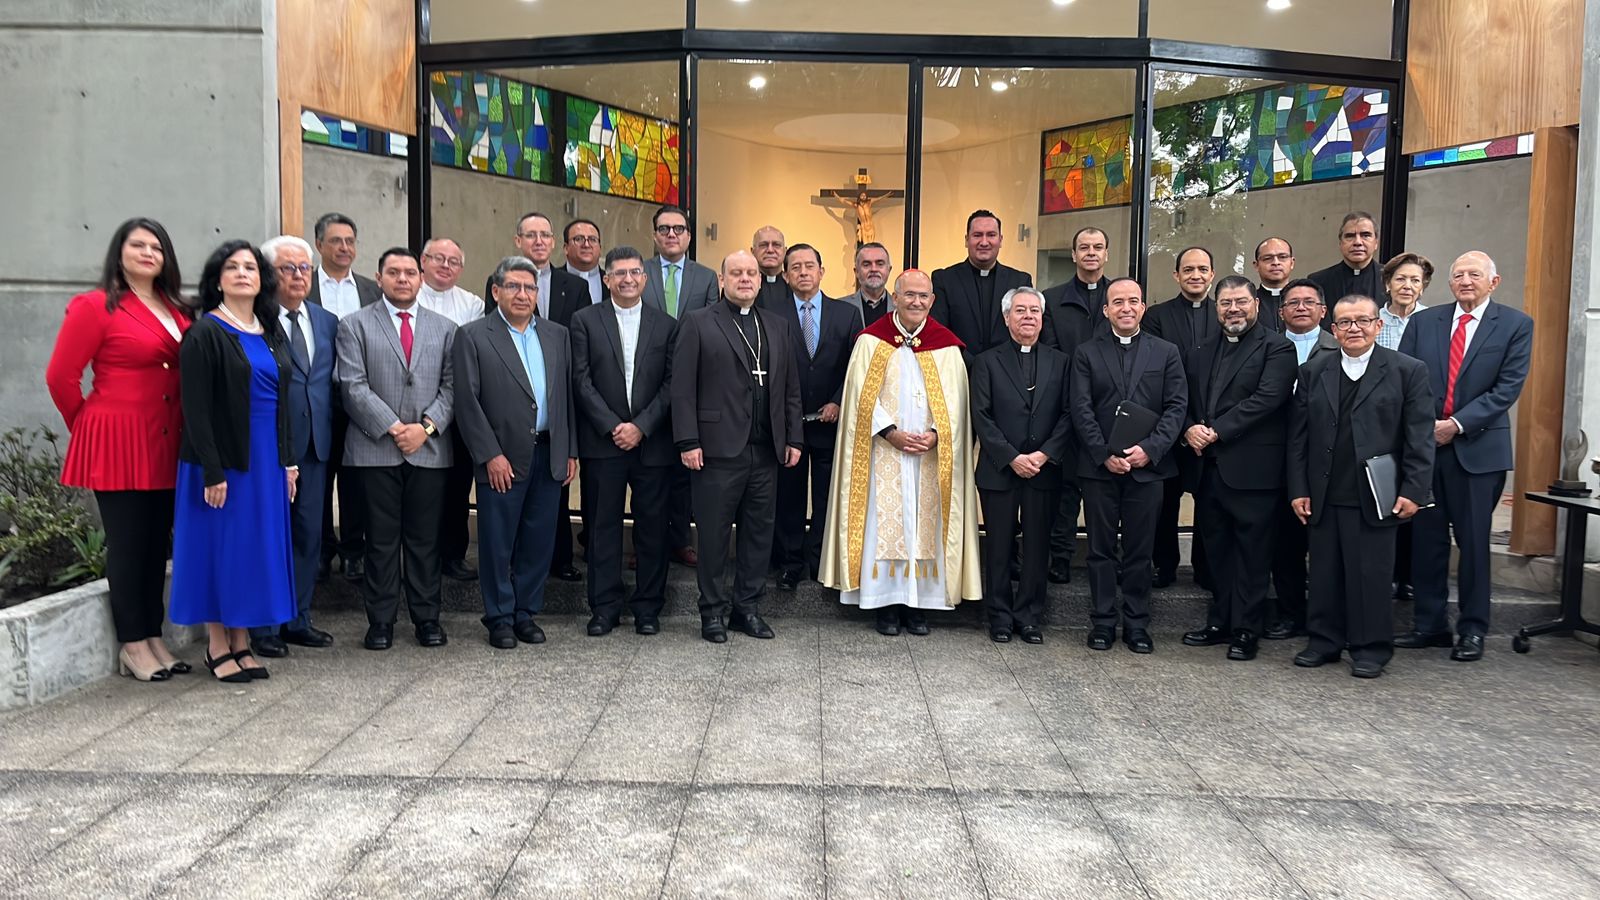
(428, 429)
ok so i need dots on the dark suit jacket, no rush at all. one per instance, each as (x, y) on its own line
(1490, 379)
(1245, 406)
(772, 294)
(494, 401)
(822, 376)
(697, 286)
(1393, 413)
(955, 306)
(711, 384)
(600, 388)
(1270, 308)
(1095, 386)
(1007, 425)
(1072, 316)
(568, 294)
(1173, 321)
(366, 289)
(311, 393)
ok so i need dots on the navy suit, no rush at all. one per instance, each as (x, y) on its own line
(1469, 472)
(311, 440)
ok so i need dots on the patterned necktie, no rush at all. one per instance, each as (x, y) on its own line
(672, 290)
(297, 342)
(405, 335)
(1458, 349)
(808, 326)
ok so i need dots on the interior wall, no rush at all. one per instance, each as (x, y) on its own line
(368, 188)
(1002, 177)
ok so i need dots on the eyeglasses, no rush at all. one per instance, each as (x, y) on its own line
(1274, 257)
(1301, 303)
(915, 295)
(289, 271)
(665, 230)
(516, 287)
(583, 239)
(626, 273)
(1235, 303)
(1362, 323)
(453, 262)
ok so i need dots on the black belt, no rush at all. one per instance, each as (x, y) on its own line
(541, 437)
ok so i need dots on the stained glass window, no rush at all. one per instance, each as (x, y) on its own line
(332, 131)
(1086, 166)
(492, 124)
(1313, 132)
(1501, 148)
(621, 153)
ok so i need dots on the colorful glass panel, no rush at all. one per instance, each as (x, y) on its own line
(489, 123)
(1086, 166)
(621, 153)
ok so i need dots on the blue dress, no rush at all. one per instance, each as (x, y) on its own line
(234, 565)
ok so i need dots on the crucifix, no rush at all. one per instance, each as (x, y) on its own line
(861, 199)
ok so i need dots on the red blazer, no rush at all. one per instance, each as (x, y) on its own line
(125, 433)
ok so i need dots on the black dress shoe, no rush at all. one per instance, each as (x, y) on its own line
(751, 624)
(1000, 635)
(501, 637)
(600, 625)
(1243, 646)
(528, 632)
(1031, 634)
(646, 626)
(1139, 641)
(916, 623)
(308, 637)
(1404, 592)
(354, 569)
(1284, 630)
(1208, 636)
(714, 629)
(1164, 578)
(1468, 649)
(889, 625)
(431, 634)
(1417, 640)
(1102, 638)
(270, 646)
(324, 569)
(1365, 668)
(788, 581)
(459, 570)
(1060, 574)
(1311, 659)
(567, 572)
(379, 637)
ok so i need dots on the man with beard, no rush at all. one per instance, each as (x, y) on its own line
(872, 298)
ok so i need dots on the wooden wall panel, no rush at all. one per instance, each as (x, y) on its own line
(1481, 69)
(352, 58)
(291, 170)
(1552, 204)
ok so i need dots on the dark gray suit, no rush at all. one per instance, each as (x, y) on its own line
(498, 412)
(1289, 548)
(698, 289)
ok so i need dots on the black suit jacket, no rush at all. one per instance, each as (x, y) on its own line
(600, 389)
(366, 289)
(1073, 315)
(711, 383)
(1245, 405)
(1158, 384)
(771, 295)
(1393, 413)
(1008, 425)
(494, 401)
(1270, 308)
(955, 305)
(1173, 321)
(821, 376)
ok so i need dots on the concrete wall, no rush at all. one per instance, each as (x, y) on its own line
(161, 109)
(370, 189)
(1482, 206)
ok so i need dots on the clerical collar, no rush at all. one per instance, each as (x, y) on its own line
(1355, 271)
(1125, 340)
(741, 310)
(982, 273)
(1232, 339)
(907, 337)
(1273, 291)
(771, 279)
(1195, 304)
(744, 310)
(1088, 285)
(1024, 348)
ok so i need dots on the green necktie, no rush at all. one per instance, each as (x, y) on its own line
(672, 290)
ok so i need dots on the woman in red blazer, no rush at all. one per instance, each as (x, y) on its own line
(124, 444)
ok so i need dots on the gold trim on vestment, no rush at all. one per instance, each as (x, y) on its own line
(941, 424)
(861, 462)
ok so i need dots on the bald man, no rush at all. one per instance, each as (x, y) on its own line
(770, 248)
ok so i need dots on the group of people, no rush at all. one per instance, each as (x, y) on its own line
(1301, 413)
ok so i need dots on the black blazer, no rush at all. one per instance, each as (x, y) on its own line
(1095, 386)
(1245, 406)
(821, 376)
(711, 383)
(214, 374)
(1173, 321)
(366, 289)
(600, 389)
(1007, 425)
(1393, 413)
(1073, 315)
(955, 305)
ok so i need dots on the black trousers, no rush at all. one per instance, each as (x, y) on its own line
(609, 480)
(1289, 562)
(1064, 534)
(1236, 526)
(1464, 507)
(562, 557)
(1113, 507)
(453, 531)
(1351, 562)
(795, 549)
(681, 507)
(350, 541)
(1402, 554)
(740, 490)
(138, 543)
(1165, 552)
(402, 541)
(1003, 511)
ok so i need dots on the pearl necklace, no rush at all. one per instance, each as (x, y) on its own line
(253, 328)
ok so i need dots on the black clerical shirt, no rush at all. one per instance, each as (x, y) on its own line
(1028, 362)
(755, 331)
(1339, 280)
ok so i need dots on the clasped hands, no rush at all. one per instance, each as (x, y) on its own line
(1132, 458)
(409, 438)
(915, 443)
(1199, 437)
(1028, 465)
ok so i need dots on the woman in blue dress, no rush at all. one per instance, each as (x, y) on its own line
(231, 563)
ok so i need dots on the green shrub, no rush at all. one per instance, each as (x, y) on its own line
(49, 538)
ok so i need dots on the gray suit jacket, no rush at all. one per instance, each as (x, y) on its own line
(495, 404)
(698, 286)
(379, 388)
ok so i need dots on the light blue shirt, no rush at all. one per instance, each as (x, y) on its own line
(816, 315)
(1394, 327)
(532, 356)
(1303, 343)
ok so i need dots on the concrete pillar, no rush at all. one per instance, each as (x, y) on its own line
(1582, 408)
(166, 109)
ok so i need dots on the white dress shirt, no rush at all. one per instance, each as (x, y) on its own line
(593, 278)
(394, 316)
(628, 327)
(458, 304)
(1355, 366)
(1477, 314)
(340, 296)
(542, 308)
(305, 330)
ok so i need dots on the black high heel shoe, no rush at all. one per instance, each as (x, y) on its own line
(239, 677)
(179, 667)
(256, 672)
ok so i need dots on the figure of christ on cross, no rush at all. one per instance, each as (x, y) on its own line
(861, 199)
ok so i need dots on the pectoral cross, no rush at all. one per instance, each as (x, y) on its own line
(760, 374)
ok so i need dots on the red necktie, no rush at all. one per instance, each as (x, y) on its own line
(405, 341)
(1458, 349)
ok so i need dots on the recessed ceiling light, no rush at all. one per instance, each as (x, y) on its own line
(1277, 5)
(757, 82)
(998, 86)
(1062, 2)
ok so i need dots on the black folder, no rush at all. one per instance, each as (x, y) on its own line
(1130, 424)
(1383, 477)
